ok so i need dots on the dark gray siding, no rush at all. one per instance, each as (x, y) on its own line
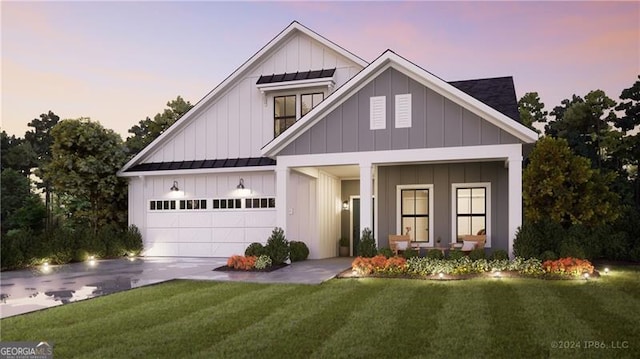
(436, 122)
(441, 176)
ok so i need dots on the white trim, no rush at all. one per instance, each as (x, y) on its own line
(376, 226)
(515, 199)
(294, 85)
(222, 87)
(366, 196)
(454, 205)
(421, 155)
(399, 229)
(199, 171)
(351, 198)
(282, 204)
(390, 59)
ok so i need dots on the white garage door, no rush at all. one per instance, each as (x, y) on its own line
(207, 227)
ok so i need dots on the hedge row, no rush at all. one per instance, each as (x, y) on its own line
(23, 248)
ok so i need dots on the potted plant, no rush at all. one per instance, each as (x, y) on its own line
(344, 247)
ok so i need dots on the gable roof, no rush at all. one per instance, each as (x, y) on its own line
(283, 36)
(390, 59)
(499, 93)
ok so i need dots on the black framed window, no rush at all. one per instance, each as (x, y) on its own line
(309, 101)
(414, 213)
(471, 211)
(284, 113)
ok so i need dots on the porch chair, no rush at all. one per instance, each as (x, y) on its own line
(399, 243)
(471, 242)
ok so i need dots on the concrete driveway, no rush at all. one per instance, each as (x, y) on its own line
(24, 291)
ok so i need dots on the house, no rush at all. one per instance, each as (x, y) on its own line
(309, 137)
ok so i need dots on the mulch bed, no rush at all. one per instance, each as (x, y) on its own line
(449, 277)
(266, 270)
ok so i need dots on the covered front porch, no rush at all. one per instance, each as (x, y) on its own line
(312, 186)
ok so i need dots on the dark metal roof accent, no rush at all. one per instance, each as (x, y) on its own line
(191, 165)
(498, 93)
(295, 76)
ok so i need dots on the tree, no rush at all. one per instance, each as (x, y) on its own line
(584, 123)
(563, 187)
(85, 159)
(41, 141)
(532, 110)
(20, 208)
(148, 130)
(16, 154)
(629, 152)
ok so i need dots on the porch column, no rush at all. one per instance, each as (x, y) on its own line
(282, 179)
(515, 198)
(365, 196)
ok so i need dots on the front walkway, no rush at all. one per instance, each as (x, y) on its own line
(28, 290)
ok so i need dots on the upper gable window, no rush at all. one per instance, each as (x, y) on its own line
(286, 110)
(284, 113)
(294, 94)
(309, 101)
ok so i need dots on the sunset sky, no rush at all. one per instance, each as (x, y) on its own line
(118, 62)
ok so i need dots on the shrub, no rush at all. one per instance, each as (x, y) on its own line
(529, 266)
(409, 253)
(299, 251)
(133, 240)
(343, 242)
(499, 254)
(568, 266)
(255, 249)
(476, 254)
(367, 246)
(455, 254)
(57, 245)
(616, 247)
(379, 264)
(263, 262)
(386, 251)
(533, 238)
(241, 262)
(85, 239)
(548, 256)
(277, 247)
(571, 248)
(113, 241)
(11, 251)
(435, 254)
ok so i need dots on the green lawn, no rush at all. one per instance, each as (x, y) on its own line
(350, 318)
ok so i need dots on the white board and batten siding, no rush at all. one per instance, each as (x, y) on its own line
(236, 122)
(314, 209)
(239, 122)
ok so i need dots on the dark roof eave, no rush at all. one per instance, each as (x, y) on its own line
(203, 164)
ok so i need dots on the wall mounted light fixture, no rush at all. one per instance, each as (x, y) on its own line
(241, 184)
(175, 186)
(345, 205)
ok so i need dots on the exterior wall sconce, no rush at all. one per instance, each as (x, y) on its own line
(241, 184)
(175, 186)
(345, 205)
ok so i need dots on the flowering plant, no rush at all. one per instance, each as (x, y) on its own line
(568, 266)
(242, 262)
(379, 264)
